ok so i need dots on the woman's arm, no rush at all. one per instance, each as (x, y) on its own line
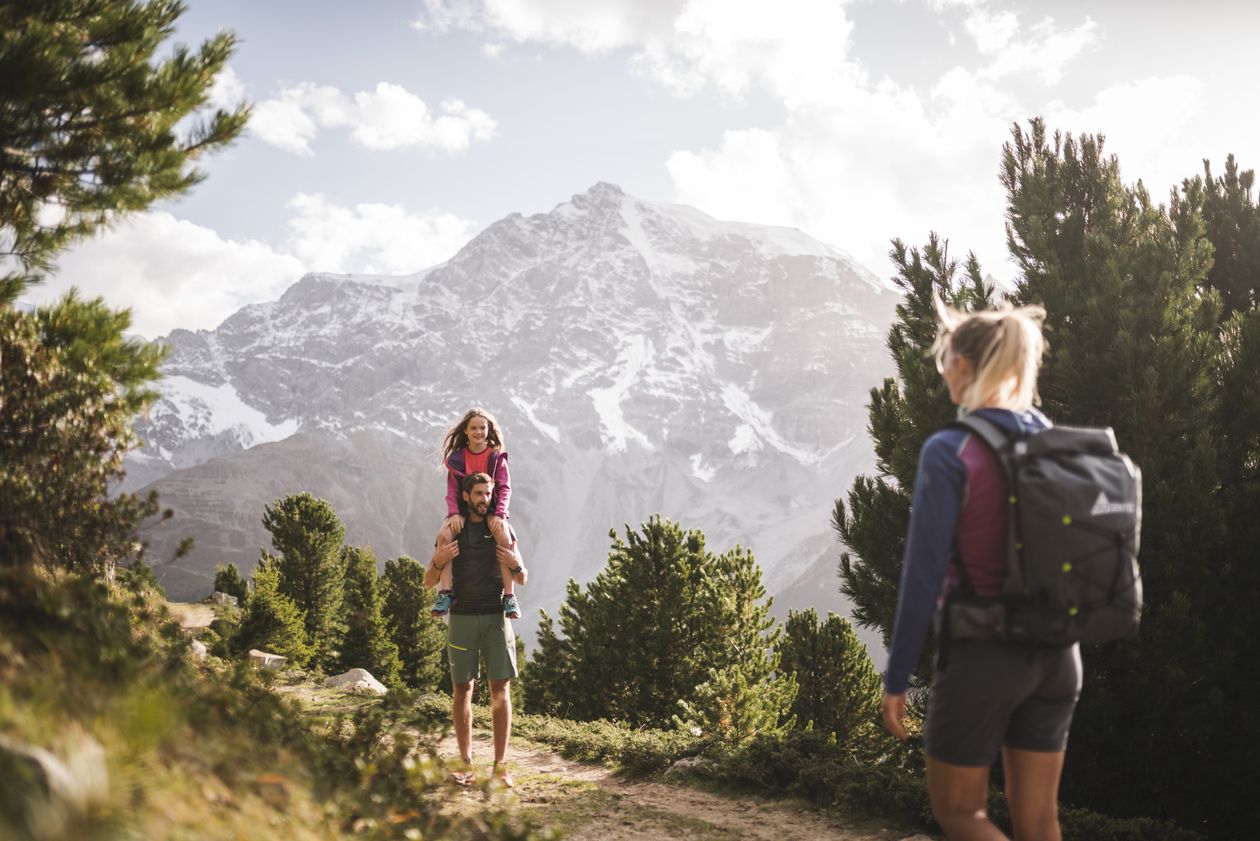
(934, 510)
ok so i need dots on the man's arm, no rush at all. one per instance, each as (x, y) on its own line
(443, 554)
(510, 557)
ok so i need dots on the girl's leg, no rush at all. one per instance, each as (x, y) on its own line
(445, 595)
(959, 796)
(444, 583)
(505, 537)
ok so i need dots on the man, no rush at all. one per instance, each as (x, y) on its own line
(477, 626)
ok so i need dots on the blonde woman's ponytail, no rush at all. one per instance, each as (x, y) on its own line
(1004, 346)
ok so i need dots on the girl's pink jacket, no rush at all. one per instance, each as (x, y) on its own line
(497, 467)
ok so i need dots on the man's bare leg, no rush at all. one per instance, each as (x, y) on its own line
(461, 718)
(501, 718)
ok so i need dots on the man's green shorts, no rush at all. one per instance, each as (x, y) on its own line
(489, 635)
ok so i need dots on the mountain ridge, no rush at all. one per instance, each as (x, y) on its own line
(644, 358)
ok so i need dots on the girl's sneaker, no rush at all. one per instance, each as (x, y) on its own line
(511, 607)
(442, 605)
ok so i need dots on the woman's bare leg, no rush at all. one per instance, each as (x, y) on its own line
(1032, 792)
(960, 795)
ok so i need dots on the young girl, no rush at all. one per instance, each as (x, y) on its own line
(475, 445)
(994, 695)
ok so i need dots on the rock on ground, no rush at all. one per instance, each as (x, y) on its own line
(267, 660)
(356, 679)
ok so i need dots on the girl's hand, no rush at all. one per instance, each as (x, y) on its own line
(455, 523)
(894, 709)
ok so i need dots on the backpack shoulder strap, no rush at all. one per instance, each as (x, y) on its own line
(987, 431)
(1001, 443)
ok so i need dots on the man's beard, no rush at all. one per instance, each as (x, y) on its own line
(480, 508)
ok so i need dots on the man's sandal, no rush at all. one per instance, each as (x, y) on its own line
(501, 774)
(466, 779)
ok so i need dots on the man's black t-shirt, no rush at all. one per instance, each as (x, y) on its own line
(475, 575)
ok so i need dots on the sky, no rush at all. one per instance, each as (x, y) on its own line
(386, 134)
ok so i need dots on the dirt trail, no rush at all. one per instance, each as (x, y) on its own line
(589, 803)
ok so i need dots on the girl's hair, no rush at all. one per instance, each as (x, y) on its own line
(1004, 347)
(457, 438)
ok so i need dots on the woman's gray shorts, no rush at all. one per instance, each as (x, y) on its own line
(994, 694)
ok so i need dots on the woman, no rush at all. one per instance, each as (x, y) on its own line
(993, 695)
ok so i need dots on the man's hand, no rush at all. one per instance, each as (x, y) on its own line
(894, 709)
(454, 523)
(442, 557)
(445, 553)
(510, 557)
(496, 526)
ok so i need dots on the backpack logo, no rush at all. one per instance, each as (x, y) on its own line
(1102, 505)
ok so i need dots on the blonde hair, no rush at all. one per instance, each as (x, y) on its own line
(1004, 347)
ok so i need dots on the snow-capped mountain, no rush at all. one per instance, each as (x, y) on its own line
(641, 357)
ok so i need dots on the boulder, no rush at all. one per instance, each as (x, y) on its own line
(686, 765)
(48, 795)
(267, 661)
(223, 599)
(198, 651)
(360, 680)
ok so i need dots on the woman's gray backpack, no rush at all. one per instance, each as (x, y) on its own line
(1075, 505)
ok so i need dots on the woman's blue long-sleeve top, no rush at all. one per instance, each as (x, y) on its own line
(940, 492)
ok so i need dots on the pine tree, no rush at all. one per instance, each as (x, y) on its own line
(421, 639)
(306, 534)
(734, 707)
(272, 622)
(839, 691)
(646, 632)
(366, 644)
(70, 385)
(904, 411)
(1232, 221)
(1131, 346)
(94, 125)
(228, 579)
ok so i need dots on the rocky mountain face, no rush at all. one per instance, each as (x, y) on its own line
(642, 358)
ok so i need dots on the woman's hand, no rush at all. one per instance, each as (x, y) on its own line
(455, 523)
(894, 709)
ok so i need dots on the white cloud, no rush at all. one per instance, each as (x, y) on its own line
(795, 49)
(891, 163)
(1157, 126)
(1043, 49)
(227, 90)
(389, 117)
(171, 272)
(372, 238)
(174, 273)
(493, 51)
(284, 124)
(594, 26)
(1046, 54)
